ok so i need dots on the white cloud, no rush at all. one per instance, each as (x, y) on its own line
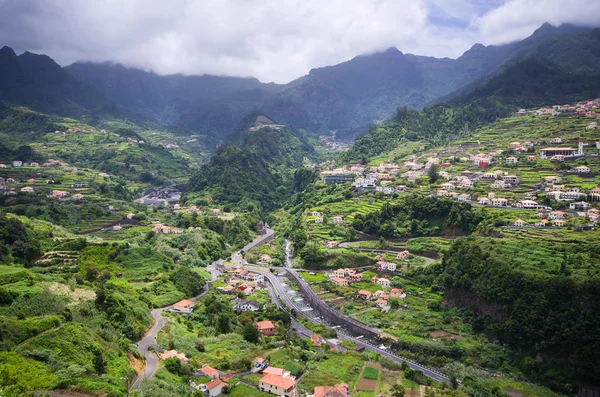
(517, 19)
(274, 40)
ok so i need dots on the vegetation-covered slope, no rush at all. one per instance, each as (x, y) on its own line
(31, 136)
(527, 83)
(259, 170)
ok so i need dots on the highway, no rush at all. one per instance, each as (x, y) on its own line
(303, 309)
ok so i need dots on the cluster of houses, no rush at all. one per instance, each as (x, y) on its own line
(583, 108)
(276, 381)
(244, 281)
(381, 298)
(47, 163)
(7, 189)
(559, 218)
(344, 277)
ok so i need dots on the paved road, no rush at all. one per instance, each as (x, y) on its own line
(259, 240)
(282, 297)
(149, 340)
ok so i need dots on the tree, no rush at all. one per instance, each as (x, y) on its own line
(250, 333)
(223, 324)
(173, 365)
(433, 173)
(398, 390)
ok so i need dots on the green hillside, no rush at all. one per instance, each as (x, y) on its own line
(260, 170)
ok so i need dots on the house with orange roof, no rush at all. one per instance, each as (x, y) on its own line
(276, 371)
(259, 362)
(397, 293)
(340, 281)
(340, 390)
(364, 294)
(213, 388)
(210, 372)
(278, 385)
(265, 327)
(184, 306)
(381, 302)
(173, 353)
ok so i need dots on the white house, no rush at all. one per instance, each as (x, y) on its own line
(511, 160)
(499, 202)
(520, 223)
(250, 305)
(384, 282)
(464, 197)
(582, 169)
(580, 205)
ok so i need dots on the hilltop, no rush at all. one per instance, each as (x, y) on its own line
(259, 169)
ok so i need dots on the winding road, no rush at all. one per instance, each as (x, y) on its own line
(149, 340)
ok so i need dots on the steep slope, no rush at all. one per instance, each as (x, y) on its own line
(40, 83)
(572, 49)
(208, 104)
(368, 89)
(30, 136)
(527, 83)
(259, 170)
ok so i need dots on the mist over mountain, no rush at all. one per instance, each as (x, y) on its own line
(346, 98)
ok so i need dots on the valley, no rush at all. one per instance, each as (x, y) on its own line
(394, 225)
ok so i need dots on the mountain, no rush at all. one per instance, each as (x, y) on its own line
(345, 98)
(573, 49)
(40, 83)
(207, 104)
(528, 83)
(259, 169)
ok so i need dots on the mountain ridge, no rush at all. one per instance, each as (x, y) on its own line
(346, 98)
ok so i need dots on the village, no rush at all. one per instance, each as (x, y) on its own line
(554, 177)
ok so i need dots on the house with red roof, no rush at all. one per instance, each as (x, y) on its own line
(278, 385)
(265, 327)
(340, 390)
(210, 372)
(183, 306)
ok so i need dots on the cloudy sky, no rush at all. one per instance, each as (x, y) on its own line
(274, 40)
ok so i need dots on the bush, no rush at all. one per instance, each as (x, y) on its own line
(173, 365)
